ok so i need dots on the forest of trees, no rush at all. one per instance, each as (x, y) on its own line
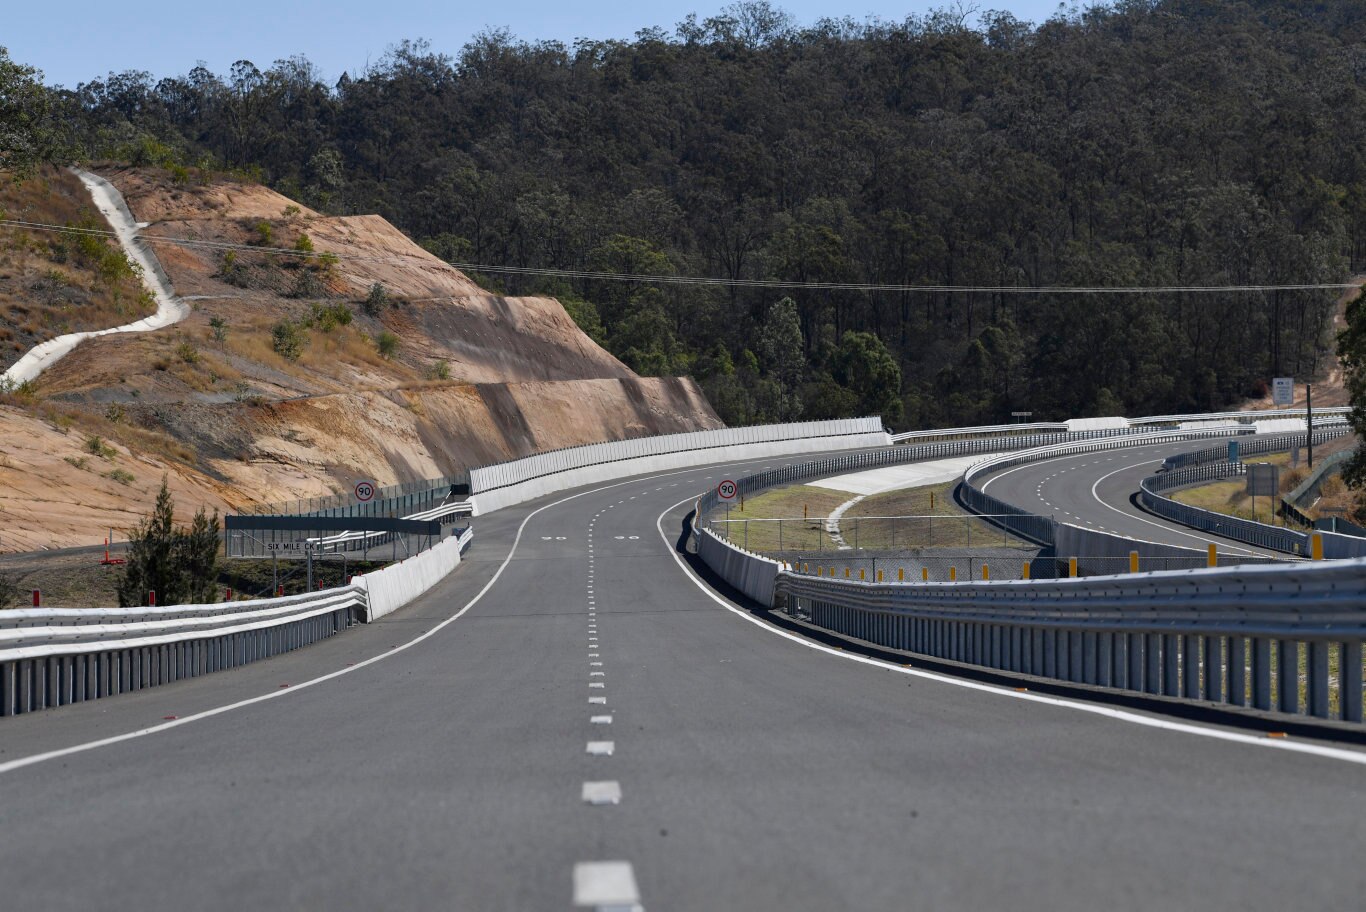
(1164, 143)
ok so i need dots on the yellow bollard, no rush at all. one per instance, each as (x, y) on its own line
(953, 574)
(1024, 570)
(806, 568)
(860, 573)
(846, 572)
(1213, 556)
(901, 574)
(1316, 546)
(879, 576)
(804, 516)
(1072, 566)
(986, 572)
(924, 574)
(1133, 561)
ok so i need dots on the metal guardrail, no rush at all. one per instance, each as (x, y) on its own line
(53, 657)
(1258, 446)
(1043, 529)
(1205, 466)
(1284, 636)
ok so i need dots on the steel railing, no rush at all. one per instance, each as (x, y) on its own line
(53, 656)
(1283, 636)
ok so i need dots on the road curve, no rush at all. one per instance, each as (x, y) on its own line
(444, 761)
(1093, 490)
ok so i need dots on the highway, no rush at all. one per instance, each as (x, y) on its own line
(1093, 490)
(441, 758)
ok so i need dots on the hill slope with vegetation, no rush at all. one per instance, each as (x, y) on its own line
(318, 350)
(1151, 142)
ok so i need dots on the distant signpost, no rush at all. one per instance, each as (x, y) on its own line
(365, 490)
(1283, 391)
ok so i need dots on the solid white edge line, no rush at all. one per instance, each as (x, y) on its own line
(1108, 712)
(21, 762)
(1215, 540)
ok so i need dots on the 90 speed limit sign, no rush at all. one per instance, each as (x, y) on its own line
(727, 490)
(365, 490)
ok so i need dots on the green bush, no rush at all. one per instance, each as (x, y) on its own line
(122, 477)
(265, 234)
(439, 370)
(186, 352)
(96, 446)
(288, 339)
(304, 244)
(376, 300)
(387, 343)
(326, 318)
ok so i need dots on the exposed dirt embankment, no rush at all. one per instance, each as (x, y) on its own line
(296, 375)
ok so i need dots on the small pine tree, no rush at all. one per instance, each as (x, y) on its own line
(151, 565)
(376, 300)
(180, 565)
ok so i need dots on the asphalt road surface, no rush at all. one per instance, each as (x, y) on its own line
(1093, 490)
(441, 758)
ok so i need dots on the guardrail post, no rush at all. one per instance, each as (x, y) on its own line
(1072, 567)
(1261, 673)
(1288, 675)
(1236, 678)
(924, 574)
(1190, 667)
(1318, 680)
(1214, 648)
(1024, 570)
(1316, 546)
(1349, 681)
(1171, 665)
(953, 574)
(37, 598)
(986, 572)
(1213, 558)
(1152, 673)
(1133, 561)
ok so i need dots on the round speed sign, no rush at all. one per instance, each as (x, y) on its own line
(365, 490)
(727, 490)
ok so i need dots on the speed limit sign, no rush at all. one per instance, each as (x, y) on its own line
(727, 490)
(365, 490)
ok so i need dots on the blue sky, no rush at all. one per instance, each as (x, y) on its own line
(84, 39)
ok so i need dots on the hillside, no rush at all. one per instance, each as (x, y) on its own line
(235, 419)
(52, 283)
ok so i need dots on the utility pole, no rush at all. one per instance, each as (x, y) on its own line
(1309, 420)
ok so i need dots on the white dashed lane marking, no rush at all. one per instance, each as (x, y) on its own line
(606, 885)
(601, 748)
(601, 720)
(608, 792)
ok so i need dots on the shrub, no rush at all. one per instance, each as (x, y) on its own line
(304, 244)
(376, 300)
(96, 446)
(115, 412)
(232, 270)
(387, 343)
(291, 210)
(288, 339)
(122, 477)
(306, 285)
(186, 352)
(219, 327)
(327, 261)
(78, 462)
(439, 370)
(265, 234)
(326, 318)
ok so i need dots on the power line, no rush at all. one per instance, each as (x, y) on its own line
(699, 280)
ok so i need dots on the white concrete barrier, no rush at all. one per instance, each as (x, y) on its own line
(499, 498)
(396, 585)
